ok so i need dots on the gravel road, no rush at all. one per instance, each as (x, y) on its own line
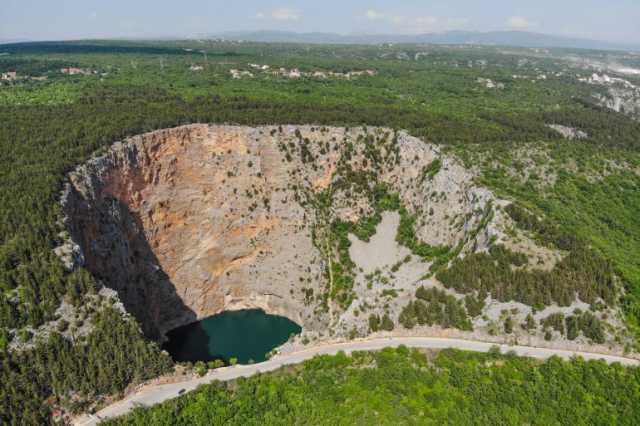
(155, 394)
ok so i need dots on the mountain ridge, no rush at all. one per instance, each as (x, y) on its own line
(497, 38)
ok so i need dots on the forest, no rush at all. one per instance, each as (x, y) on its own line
(403, 386)
(49, 126)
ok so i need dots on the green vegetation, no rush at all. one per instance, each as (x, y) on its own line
(342, 277)
(331, 236)
(508, 325)
(529, 323)
(429, 171)
(555, 321)
(402, 386)
(585, 195)
(104, 362)
(407, 237)
(589, 207)
(377, 323)
(475, 304)
(585, 322)
(374, 322)
(41, 94)
(435, 307)
(580, 272)
(381, 200)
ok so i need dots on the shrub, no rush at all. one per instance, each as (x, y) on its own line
(508, 325)
(555, 321)
(387, 323)
(201, 368)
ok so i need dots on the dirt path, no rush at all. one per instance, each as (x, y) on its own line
(155, 394)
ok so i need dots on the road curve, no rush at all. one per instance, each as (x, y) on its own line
(155, 394)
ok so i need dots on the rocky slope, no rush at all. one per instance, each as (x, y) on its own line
(187, 222)
(620, 95)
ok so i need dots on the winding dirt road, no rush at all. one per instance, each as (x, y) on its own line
(154, 394)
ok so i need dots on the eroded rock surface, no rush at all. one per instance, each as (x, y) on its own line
(166, 219)
(188, 222)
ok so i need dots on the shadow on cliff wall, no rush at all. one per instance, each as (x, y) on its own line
(117, 252)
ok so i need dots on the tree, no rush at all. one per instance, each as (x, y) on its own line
(216, 363)
(201, 368)
(63, 325)
(508, 325)
(374, 322)
(4, 340)
(572, 327)
(555, 321)
(387, 323)
(529, 322)
(408, 316)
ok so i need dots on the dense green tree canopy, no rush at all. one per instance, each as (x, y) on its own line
(402, 386)
(49, 126)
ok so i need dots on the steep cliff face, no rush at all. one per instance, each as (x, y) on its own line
(187, 222)
(621, 95)
(622, 100)
(165, 218)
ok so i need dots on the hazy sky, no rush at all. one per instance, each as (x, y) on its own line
(617, 20)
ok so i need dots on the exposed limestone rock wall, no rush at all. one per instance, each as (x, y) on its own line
(622, 100)
(188, 222)
(621, 95)
(165, 219)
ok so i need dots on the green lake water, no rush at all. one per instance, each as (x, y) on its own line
(245, 335)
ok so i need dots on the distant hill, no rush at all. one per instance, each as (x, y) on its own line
(12, 40)
(498, 38)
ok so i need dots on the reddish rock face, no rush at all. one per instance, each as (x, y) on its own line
(187, 222)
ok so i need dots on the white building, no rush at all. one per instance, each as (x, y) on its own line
(8, 76)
